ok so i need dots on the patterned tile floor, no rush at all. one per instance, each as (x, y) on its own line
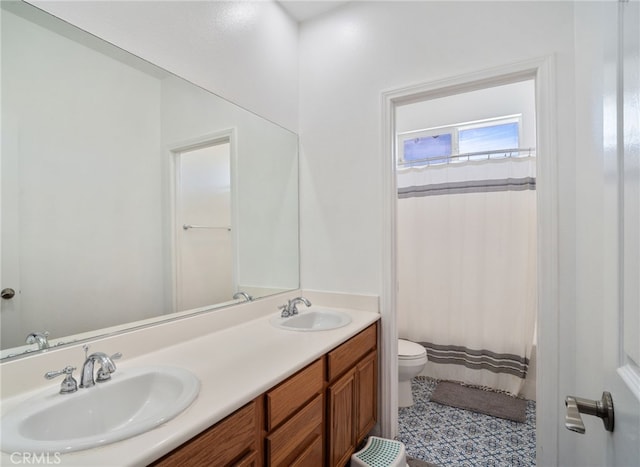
(448, 436)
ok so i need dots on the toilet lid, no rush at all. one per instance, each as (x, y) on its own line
(408, 349)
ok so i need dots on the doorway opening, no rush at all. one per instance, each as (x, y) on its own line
(203, 212)
(466, 221)
(542, 72)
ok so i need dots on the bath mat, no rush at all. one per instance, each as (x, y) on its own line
(486, 402)
(418, 463)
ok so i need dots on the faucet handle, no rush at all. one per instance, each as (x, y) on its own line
(285, 310)
(104, 373)
(115, 356)
(69, 384)
(40, 338)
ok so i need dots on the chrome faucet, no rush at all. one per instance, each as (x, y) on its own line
(291, 308)
(244, 295)
(104, 373)
(39, 338)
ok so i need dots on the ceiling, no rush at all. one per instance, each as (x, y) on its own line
(302, 10)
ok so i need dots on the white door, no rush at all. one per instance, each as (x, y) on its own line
(205, 273)
(607, 239)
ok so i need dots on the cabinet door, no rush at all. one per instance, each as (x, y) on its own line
(341, 411)
(366, 395)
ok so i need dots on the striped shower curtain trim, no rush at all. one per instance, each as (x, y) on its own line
(473, 186)
(477, 359)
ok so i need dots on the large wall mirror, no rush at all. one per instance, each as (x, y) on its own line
(130, 195)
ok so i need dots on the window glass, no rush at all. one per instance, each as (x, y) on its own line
(435, 148)
(488, 138)
(484, 139)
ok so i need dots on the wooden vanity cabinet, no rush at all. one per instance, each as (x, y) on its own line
(316, 417)
(351, 395)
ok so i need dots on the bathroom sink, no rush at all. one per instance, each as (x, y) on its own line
(316, 319)
(132, 402)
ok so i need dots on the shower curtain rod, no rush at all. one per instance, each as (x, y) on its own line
(454, 157)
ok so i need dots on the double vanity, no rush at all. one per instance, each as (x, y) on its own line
(274, 390)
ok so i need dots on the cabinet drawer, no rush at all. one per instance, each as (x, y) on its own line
(250, 460)
(227, 441)
(348, 354)
(292, 439)
(311, 456)
(289, 396)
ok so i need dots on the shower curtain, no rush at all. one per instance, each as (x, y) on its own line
(466, 252)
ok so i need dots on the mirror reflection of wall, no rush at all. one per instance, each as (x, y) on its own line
(89, 134)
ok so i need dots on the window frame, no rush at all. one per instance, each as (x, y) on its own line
(454, 130)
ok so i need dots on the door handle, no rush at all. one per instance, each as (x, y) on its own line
(7, 293)
(577, 405)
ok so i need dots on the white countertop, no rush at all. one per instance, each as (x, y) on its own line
(234, 366)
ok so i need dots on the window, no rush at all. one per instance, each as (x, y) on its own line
(480, 140)
(437, 148)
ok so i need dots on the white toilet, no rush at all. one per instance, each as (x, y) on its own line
(412, 358)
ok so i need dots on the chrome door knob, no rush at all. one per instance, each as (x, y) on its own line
(577, 405)
(7, 293)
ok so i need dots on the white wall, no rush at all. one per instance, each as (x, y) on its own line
(347, 58)
(243, 51)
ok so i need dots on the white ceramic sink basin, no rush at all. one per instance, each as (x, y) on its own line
(132, 402)
(315, 319)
